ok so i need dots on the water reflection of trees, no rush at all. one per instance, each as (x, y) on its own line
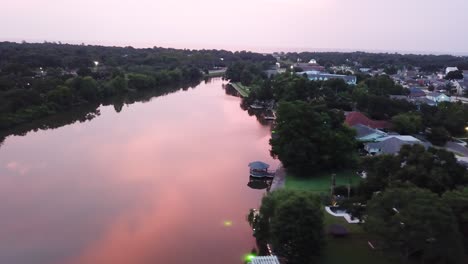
(245, 105)
(90, 111)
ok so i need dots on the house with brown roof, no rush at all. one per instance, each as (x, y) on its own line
(354, 118)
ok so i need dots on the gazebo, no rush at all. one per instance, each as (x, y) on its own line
(259, 169)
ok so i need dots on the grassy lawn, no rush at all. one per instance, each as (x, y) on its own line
(242, 89)
(351, 249)
(321, 183)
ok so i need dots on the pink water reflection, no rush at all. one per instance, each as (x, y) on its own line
(152, 184)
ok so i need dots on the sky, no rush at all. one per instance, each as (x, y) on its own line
(419, 26)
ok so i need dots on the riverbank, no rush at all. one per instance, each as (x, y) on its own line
(243, 90)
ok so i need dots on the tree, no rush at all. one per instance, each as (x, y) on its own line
(454, 75)
(435, 169)
(438, 136)
(415, 223)
(407, 123)
(458, 201)
(312, 139)
(293, 222)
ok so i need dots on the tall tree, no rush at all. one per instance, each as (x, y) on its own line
(458, 201)
(415, 223)
(293, 222)
(312, 139)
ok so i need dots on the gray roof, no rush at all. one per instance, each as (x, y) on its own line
(392, 145)
(362, 130)
(258, 165)
(265, 260)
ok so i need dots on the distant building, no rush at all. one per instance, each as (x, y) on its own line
(318, 76)
(305, 67)
(438, 97)
(416, 92)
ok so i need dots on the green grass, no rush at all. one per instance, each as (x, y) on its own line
(321, 183)
(351, 249)
(242, 89)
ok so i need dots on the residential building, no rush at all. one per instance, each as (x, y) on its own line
(355, 118)
(416, 92)
(368, 134)
(438, 97)
(318, 76)
(391, 145)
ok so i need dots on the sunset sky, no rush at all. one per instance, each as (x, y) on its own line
(260, 25)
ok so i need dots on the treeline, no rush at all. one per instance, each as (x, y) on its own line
(38, 80)
(427, 63)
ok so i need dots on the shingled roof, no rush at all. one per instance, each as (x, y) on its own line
(354, 118)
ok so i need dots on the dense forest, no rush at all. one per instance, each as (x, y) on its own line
(39, 80)
(427, 63)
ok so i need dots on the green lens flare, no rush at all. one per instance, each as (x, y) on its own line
(227, 223)
(249, 257)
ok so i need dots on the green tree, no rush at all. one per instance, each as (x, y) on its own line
(438, 136)
(415, 223)
(312, 139)
(454, 75)
(407, 123)
(433, 169)
(293, 222)
(458, 201)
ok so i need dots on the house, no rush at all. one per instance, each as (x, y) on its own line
(438, 97)
(391, 145)
(318, 76)
(367, 134)
(450, 69)
(354, 118)
(416, 92)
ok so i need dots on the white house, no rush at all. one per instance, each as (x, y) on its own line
(438, 97)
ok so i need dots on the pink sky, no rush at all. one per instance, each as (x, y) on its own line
(261, 25)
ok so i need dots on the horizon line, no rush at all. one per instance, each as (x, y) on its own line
(256, 49)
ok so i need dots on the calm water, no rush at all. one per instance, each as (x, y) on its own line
(151, 184)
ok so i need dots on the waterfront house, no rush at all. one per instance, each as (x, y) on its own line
(367, 134)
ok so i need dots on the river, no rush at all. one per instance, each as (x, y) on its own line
(161, 181)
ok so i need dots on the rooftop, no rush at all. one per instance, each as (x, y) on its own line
(265, 260)
(354, 118)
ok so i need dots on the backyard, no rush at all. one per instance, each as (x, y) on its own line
(321, 183)
(353, 248)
